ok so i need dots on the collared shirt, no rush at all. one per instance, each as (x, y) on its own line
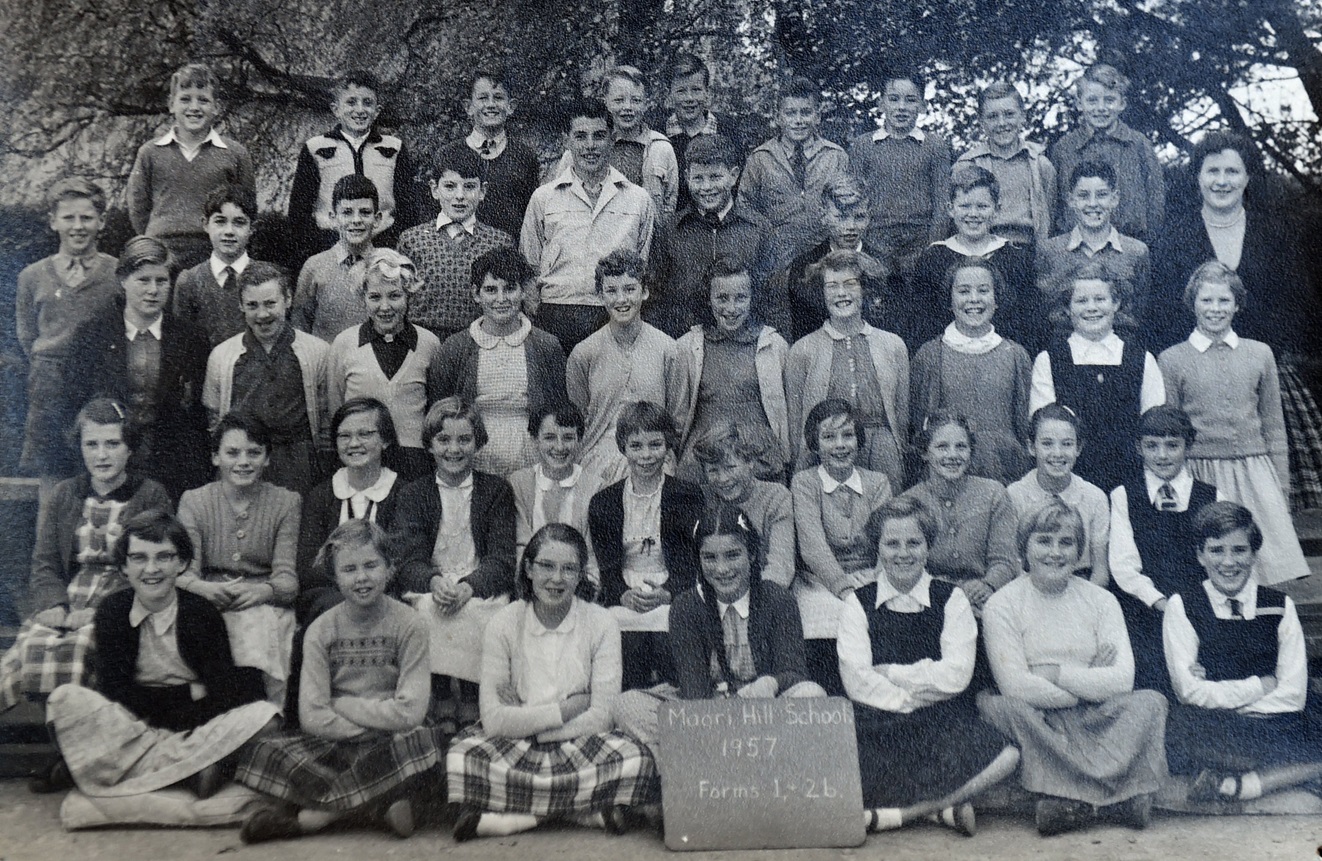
(961, 343)
(454, 554)
(131, 331)
(544, 677)
(565, 232)
(956, 243)
(915, 134)
(1246, 696)
(270, 386)
(561, 493)
(1076, 242)
(1202, 343)
(829, 485)
(445, 222)
(190, 151)
(487, 341)
(475, 140)
(1104, 353)
(361, 504)
(675, 129)
(73, 269)
(159, 661)
(218, 267)
(1123, 557)
(739, 604)
(904, 688)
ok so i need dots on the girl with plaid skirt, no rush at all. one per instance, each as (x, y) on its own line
(363, 695)
(550, 673)
(72, 569)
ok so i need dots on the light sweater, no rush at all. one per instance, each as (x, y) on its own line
(352, 371)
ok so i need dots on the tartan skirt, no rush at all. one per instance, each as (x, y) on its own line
(43, 658)
(1303, 431)
(343, 774)
(550, 779)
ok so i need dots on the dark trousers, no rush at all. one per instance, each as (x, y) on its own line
(571, 324)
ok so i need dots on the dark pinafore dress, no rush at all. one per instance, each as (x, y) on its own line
(1106, 398)
(929, 753)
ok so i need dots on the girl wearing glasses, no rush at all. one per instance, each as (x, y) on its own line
(386, 358)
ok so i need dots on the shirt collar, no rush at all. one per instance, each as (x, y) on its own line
(1113, 239)
(673, 126)
(469, 224)
(488, 341)
(1202, 343)
(955, 244)
(1110, 346)
(343, 490)
(345, 255)
(475, 139)
(161, 620)
(1182, 484)
(213, 137)
(644, 136)
(837, 335)
(131, 331)
(64, 261)
(920, 591)
(537, 629)
(466, 484)
(961, 343)
(408, 336)
(218, 266)
(545, 482)
(915, 134)
(740, 606)
(1246, 596)
(829, 484)
(569, 179)
(285, 340)
(811, 146)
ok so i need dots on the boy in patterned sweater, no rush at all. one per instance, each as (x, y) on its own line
(444, 250)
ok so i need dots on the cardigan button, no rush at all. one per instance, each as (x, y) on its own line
(236, 557)
(241, 534)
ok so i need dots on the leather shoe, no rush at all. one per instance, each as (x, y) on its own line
(398, 818)
(267, 823)
(1059, 815)
(465, 825)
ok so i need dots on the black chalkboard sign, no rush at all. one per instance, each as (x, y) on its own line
(760, 774)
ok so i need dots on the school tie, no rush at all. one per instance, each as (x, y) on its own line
(553, 500)
(226, 279)
(1166, 500)
(488, 147)
(736, 645)
(1236, 608)
(800, 164)
(351, 260)
(76, 273)
(712, 219)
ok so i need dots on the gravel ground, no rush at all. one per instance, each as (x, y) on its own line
(30, 830)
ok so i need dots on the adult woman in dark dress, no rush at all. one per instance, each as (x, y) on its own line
(1284, 309)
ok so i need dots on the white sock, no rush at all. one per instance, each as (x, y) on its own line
(1250, 786)
(592, 820)
(310, 820)
(504, 824)
(884, 818)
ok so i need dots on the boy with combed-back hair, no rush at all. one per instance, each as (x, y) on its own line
(208, 293)
(173, 174)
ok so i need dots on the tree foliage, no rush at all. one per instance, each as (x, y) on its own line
(86, 81)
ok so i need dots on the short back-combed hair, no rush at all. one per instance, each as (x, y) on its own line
(388, 266)
(645, 417)
(1219, 519)
(829, 409)
(156, 527)
(1054, 413)
(75, 188)
(844, 192)
(355, 186)
(560, 533)
(1216, 142)
(709, 149)
(354, 533)
(621, 261)
(103, 411)
(194, 76)
(902, 71)
(385, 425)
(143, 251)
(497, 75)
(725, 266)
(564, 412)
(1215, 273)
(505, 263)
(839, 261)
(457, 409)
(460, 159)
(800, 87)
(232, 193)
(684, 64)
(725, 439)
(239, 420)
(259, 272)
(999, 90)
(1105, 75)
(938, 419)
(356, 78)
(1167, 420)
(585, 108)
(1051, 517)
(1093, 169)
(970, 177)
(632, 74)
(905, 508)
